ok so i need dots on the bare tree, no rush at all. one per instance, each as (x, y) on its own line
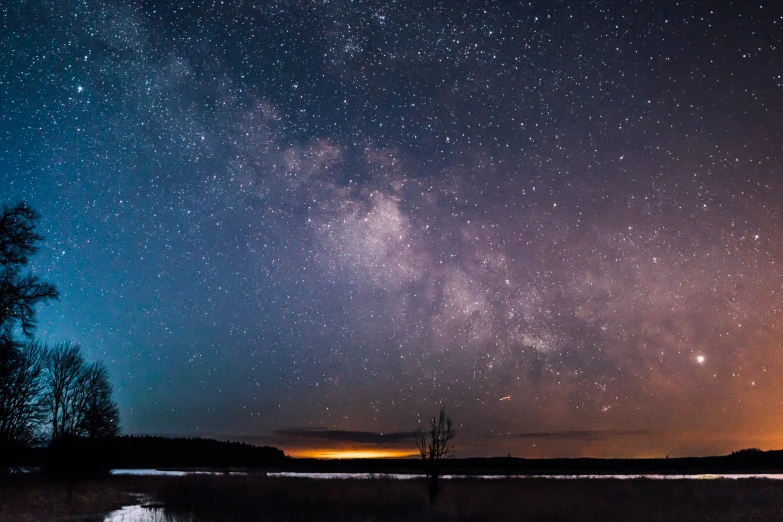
(21, 366)
(100, 416)
(38, 385)
(19, 293)
(64, 376)
(79, 396)
(22, 408)
(435, 445)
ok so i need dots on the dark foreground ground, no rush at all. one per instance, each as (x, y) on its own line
(254, 498)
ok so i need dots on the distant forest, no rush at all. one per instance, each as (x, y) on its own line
(163, 452)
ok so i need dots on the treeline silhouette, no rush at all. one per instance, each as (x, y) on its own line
(151, 452)
(182, 453)
(161, 452)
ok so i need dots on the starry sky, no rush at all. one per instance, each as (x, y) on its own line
(311, 223)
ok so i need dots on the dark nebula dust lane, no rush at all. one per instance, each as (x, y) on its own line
(309, 224)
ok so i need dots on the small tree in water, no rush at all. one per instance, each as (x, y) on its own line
(435, 445)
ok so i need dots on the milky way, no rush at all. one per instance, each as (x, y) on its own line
(312, 223)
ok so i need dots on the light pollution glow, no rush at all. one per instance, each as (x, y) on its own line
(558, 444)
(331, 453)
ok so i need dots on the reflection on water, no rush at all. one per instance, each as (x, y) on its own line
(142, 513)
(146, 511)
(401, 476)
(137, 514)
(170, 472)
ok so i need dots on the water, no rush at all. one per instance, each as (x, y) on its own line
(171, 473)
(138, 514)
(146, 512)
(408, 476)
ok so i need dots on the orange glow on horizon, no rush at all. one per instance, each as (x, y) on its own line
(333, 453)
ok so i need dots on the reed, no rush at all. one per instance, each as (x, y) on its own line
(219, 499)
(36, 498)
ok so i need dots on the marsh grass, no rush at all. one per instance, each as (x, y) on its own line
(220, 499)
(35, 498)
(254, 497)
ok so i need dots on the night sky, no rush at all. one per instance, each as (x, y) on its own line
(310, 224)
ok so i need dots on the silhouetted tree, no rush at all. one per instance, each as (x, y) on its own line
(22, 408)
(82, 413)
(65, 397)
(101, 415)
(19, 293)
(435, 445)
(36, 384)
(79, 396)
(20, 365)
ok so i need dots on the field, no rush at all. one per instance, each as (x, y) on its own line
(254, 497)
(31, 498)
